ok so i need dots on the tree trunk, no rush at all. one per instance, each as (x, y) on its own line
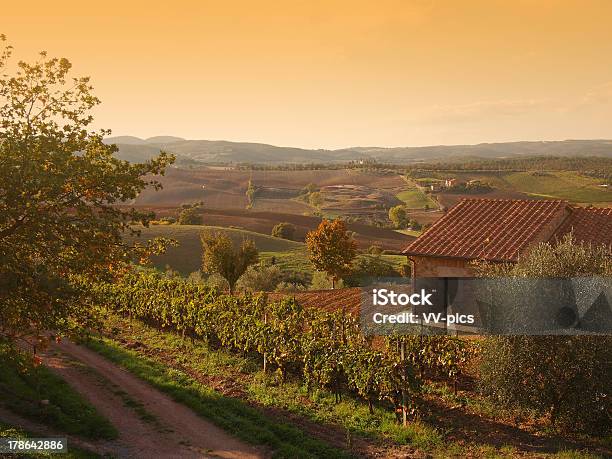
(404, 407)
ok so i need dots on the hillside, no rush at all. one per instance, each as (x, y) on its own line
(263, 222)
(359, 194)
(186, 257)
(221, 151)
(566, 185)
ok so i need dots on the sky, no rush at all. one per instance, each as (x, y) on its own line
(334, 73)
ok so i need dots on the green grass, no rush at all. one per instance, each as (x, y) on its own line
(24, 387)
(231, 414)
(163, 351)
(414, 198)
(559, 185)
(293, 261)
(567, 185)
(319, 406)
(186, 257)
(410, 232)
(7, 431)
(296, 261)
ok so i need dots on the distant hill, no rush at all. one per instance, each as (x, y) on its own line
(221, 151)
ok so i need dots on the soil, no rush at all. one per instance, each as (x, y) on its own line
(157, 428)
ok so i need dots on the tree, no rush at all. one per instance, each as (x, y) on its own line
(259, 278)
(331, 249)
(284, 230)
(250, 194)
(316, 199)
(398, 216)
(415, 225)
(59, 183)
(310, 188)
(190, 216)
(220, 256)
(566, 378)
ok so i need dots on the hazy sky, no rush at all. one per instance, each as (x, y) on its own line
(335, 73)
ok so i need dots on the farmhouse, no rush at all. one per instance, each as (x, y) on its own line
(450, 182)
(501, 230)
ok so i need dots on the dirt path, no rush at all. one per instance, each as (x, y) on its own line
(150, 424)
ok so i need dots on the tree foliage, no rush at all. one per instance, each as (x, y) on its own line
(284, 230)
(59, 183)
(316, 199)
(190, 216)
(565, 378)
(398, 216)
(220, 256)
(258, 278)
(325, 348)
(331, 248)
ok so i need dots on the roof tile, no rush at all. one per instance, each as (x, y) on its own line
(490, 229)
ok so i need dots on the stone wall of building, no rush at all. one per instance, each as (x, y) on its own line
(440, 267)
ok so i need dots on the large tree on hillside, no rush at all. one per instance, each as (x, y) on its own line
(221, 256)
(331, 249)
(58, 184)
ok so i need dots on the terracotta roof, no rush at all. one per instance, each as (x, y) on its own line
(589, 225)
(347, 299)
(490, 229)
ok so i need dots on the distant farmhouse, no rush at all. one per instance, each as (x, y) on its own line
(501, 230)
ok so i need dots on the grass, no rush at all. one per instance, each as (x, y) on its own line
(24, 388)
(7, 431)
(567, 185)
(415, 198)
(293, 261)
(231, 414)
(186, 257)
(410, 232)
(559, 185)
(296, 261)
(163, 352)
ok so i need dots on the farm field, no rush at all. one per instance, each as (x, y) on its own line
(346, 192)
(187, 256)
(566, 185)
(455, 425)
(296, 261)
(414, 196)
(263, 222)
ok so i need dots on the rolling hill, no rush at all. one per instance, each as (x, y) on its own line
(221, 151)
(186, 257)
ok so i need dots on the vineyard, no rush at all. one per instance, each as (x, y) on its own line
(326, 349)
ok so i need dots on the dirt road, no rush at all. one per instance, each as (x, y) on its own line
(150, 424)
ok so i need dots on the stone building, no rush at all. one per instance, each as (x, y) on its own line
(501, 230)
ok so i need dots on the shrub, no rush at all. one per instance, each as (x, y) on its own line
(566, 378)
(373, 266)
(259, 279)
(374, 250)
(284, 230)
(321, 281)
(190, 216)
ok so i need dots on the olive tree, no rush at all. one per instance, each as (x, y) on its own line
(563, 378)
